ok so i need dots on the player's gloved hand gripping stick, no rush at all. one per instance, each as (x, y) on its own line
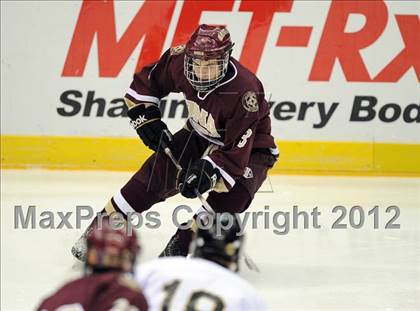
(200, 177)
(249, 262)
(147, 121)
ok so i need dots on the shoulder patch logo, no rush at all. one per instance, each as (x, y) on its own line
(250, 101)
(248, 174)
(177, 49)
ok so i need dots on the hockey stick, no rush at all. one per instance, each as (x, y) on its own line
(248, 261)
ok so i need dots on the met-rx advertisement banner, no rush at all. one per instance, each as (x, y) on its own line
(332, 70)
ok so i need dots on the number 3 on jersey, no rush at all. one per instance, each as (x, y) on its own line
(195, 298)
(244, 138)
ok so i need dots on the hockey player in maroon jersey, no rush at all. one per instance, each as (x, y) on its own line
(108, 284)
(226, 145)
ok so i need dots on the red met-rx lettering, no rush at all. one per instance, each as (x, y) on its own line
(262, 15)
(409, 26)
(335, 44)
(189, 18)
(151, 23)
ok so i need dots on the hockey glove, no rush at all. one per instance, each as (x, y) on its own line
(201, 176)
(149, 126)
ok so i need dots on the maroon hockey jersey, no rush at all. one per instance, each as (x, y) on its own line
(234, 116)
(97, 292)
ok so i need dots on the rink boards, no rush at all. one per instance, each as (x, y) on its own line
(342, 79)
(349, 158)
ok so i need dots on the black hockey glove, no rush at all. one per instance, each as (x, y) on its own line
(201, 176)
(149, 126)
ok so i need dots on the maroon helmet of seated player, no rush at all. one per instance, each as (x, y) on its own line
(108, 284)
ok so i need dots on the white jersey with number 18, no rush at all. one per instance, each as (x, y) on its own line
(177, 283)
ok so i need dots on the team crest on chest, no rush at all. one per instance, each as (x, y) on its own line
(250, 101)
(202, 118)
(177, 49)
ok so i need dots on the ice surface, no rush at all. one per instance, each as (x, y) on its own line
(305, 269)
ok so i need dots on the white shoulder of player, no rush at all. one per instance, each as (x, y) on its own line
(191, 269)
(144, 270)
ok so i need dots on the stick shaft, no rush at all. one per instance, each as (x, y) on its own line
(249, 262)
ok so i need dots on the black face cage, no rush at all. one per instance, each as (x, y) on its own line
(204, 80)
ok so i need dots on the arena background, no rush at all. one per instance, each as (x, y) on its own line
(343, 81)
(66, 66)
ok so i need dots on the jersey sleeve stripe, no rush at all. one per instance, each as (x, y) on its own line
(143, 98)
(122, 203)
(225, 175)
